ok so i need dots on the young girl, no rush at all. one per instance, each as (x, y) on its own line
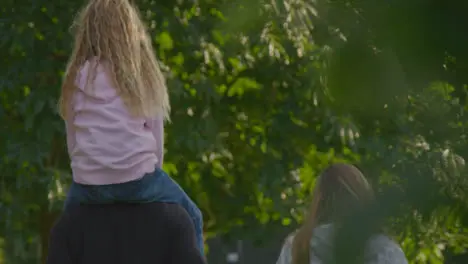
(114, 102)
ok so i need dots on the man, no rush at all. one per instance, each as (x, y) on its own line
(124, 234)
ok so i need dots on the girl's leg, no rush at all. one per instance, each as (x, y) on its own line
(138, 191)
(76, 195)
(170, 191)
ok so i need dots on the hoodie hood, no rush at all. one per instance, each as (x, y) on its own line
(100, 87)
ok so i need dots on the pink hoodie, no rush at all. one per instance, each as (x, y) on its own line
(105, 143)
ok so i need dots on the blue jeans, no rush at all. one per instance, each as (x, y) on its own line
(153, 187)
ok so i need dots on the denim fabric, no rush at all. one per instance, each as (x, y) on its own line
(153, 187)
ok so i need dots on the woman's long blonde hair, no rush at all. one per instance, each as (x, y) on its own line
(113, 33)
(340, 189)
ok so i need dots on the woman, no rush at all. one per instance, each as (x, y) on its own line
(124, 234)
(341, 191)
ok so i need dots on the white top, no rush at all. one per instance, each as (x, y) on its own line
(380, 249)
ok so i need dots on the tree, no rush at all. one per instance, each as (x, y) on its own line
(265, 95)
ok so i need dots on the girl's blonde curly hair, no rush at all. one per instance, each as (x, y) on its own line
(113, 33)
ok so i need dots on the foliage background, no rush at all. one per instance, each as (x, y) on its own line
(266, 93)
